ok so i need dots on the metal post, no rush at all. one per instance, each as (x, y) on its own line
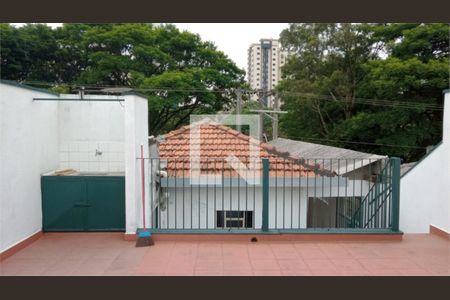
(238, 109)
(395, 193)
(265, 195)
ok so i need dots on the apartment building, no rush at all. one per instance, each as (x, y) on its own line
(265, 60)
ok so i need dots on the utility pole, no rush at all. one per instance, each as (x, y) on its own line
(261, 116)
(238, 108)
(276, 108)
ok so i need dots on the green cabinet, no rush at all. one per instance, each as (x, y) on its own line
(83, 203)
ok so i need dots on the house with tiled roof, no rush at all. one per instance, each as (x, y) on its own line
(302, 192)
(218, 142)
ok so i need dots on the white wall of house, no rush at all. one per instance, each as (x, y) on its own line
(88, 127)
(282, 214)
(28, 148)
(425, 189)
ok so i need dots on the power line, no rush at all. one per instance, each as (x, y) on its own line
(354, 142)
(375, 102)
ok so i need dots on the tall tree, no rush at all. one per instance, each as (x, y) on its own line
(177, 71)
(335, 65)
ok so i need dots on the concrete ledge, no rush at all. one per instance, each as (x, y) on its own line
(439, 232)
(269, 237)
(19, 246)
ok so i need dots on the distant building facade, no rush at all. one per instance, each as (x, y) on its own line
(265, 60)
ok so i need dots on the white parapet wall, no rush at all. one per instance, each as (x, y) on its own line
(28, 148)
(425, 189)
(40, 136)
(136, 128)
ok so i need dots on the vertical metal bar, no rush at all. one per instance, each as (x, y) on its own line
(307, 193)
(223, 195)
(370, 176)
(276, 194)
(215, 194)
(331, 178)
(388, 196)
(192, 208)
(299, 191)
(168, 198)
(395, 193)
(315, 182)
(239, 194)
(284, 191)
(292, 192)
(246, 195)
(254, 196)
(338, 185)
(198, 191)
(207, 191)
(176, 192)
(265, 194)
(184, 178)
(159, 192)
(151, 193)
(231, 193)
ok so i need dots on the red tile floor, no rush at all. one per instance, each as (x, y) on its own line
(91, 254)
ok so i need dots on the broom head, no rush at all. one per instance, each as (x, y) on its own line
(144, 238)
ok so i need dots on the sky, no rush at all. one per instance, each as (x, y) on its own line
(231, 38)
(234, 38)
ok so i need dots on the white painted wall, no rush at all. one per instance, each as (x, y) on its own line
(171, 217)
(85, 127)
(425, 189)
(35, 134)
(28, 148)
(136, 128)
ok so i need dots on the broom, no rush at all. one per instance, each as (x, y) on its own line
(144, 235)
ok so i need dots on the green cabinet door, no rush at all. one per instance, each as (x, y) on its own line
(106, 199)
(64, 204)
(83, 203)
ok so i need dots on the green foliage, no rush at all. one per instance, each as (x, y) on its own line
(335, 65)
(142, 56)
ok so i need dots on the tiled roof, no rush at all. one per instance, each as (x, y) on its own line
(218, 142)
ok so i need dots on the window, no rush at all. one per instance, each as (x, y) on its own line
(273, 79)
(274, 64)
(274, 59)
(257, 58)
(234, 219)
(257, 64)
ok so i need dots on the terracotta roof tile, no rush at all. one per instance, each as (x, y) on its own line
(218, 142)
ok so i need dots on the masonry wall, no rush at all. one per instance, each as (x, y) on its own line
(425, 189)
(92, 135)
(198, 205)
(136, 127)
(28, 148)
